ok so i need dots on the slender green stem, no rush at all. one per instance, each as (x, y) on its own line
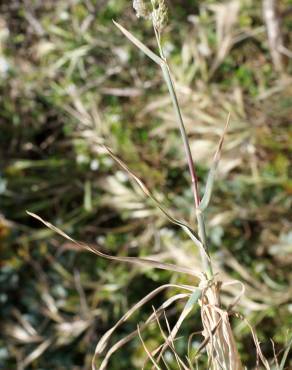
(200, 218)
(158, 38)
(168, 80)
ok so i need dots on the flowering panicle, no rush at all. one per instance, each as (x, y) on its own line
(141, 9)
(158, 13)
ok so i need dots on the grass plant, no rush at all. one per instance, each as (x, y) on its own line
(69, 86)
(217, 332)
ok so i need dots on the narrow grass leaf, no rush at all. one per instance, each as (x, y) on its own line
(184, 226)
(285, 355)
(139, 44)
(171, 345)
(187, 309)
(36, 353)
(104, 340)
(212, 173)
(147, 350)
(194, 298)
(134, 260)
(257, 343)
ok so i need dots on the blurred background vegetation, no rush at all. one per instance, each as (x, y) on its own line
(69, 81)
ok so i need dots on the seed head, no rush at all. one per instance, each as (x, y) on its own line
(141, 9)
(159, 14)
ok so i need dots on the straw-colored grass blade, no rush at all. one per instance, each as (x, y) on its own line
(36, 353)
(187, 309)
(133, 260)
(259, 353)
(105, 338)
(147, 350)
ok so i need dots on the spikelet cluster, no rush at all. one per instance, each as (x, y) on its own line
(158, 13)
(141, 9)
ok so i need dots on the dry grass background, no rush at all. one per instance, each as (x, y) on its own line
(69, 82)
